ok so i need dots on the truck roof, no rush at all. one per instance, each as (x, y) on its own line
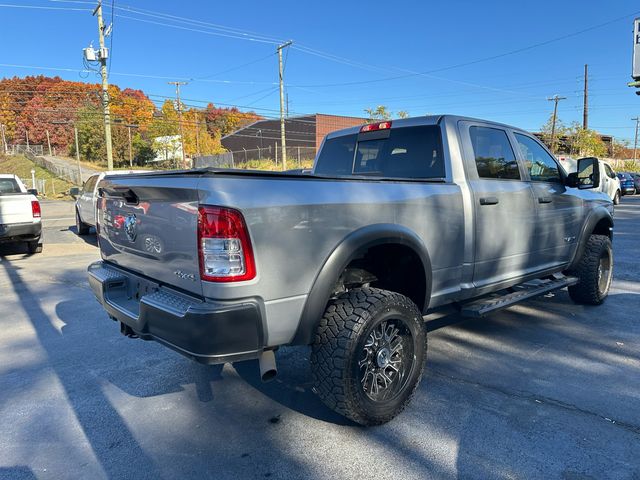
(423, 120)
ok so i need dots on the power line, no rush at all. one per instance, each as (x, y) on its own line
(235, 68)
(42, 7)
(483, 59)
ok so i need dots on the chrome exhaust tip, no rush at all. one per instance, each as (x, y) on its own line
(267, 361)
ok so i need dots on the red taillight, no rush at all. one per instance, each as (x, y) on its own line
(35, 209)
(372, 127)
(224, 246)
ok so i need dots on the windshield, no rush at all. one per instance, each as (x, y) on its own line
(409, 152)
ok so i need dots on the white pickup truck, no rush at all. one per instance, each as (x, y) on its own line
(20, 214)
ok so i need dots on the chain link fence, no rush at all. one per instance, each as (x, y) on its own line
(59, 169)
(268, 158)
(25, 149)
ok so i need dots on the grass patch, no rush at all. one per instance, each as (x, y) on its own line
(270, 165)
(22, 166)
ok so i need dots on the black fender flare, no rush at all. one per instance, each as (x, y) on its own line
(595, 216)
(348, 249)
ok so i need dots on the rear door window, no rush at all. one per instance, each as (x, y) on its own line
(493, 153)
(408, 152)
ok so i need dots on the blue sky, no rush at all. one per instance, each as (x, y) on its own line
(348, 56)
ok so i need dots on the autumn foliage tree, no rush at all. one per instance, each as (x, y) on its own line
(34, 105)
(223, 121)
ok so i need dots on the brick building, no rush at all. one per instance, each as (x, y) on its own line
(305, 132)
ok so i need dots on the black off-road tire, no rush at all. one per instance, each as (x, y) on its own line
(348, 322)
(81, 227)
(596, 262)
(616, 198)
(34, 247)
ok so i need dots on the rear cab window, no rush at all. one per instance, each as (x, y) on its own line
(9, 185)
(402, 153)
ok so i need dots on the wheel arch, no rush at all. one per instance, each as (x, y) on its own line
(599, 222)
(352, 247)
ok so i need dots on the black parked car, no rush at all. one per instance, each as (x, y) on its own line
(627, 185)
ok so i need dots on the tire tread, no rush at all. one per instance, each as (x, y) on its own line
(336, 336)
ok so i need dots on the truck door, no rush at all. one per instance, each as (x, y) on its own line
(559, 209)
(504, 219)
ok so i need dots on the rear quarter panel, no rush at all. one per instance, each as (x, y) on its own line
(295, 224)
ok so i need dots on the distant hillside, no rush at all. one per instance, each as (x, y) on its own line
(34, 105)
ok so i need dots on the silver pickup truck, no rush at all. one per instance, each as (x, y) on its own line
(396, 219)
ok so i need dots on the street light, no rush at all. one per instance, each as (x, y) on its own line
(75, 131)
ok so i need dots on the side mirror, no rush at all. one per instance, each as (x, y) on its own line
(587, 176)
(74, 192)
(33, 191)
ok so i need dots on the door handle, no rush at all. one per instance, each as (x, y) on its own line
(489, 201)
(545, 199)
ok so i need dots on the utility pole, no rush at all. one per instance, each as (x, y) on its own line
(103, 55)
(49, 142)
(554, 99)
(130, 149)
(283, 140)
(129, 127)
(179, 108)
(195, 114)
(75, 133)
(635, 141)
(585, 107)
(4, 139)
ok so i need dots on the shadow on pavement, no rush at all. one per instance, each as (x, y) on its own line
(91, 238)
(17, 473)
(89, 416)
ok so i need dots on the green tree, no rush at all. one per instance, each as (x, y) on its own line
(91, 137)
(585, 142)
(165, 122)
(381, 113)
(561, 130)
(143, 152)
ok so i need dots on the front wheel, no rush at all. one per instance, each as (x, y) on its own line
(616, 198)
(81, 227)
(594, 272)
(368, 355)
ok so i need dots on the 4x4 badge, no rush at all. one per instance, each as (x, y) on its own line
(130, 224)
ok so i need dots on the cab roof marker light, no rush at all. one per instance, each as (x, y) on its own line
(373, 127)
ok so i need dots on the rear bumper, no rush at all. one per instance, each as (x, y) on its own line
(206, 331)
(628, 190)
(20, 232)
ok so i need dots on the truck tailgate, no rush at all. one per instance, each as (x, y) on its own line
(148, 224)
(16, 208)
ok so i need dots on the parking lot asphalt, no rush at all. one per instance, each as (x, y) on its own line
(545, 389)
